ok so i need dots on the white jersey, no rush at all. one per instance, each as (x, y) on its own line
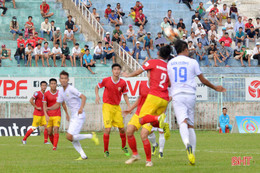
(71, 97)
(182, 71)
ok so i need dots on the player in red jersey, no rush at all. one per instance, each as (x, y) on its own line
(38, 114)
(158, 97)
(53, 117)
(115, 87)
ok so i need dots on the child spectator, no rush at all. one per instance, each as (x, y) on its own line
(76, 53)
(223, 54)
(132, 13)
(108, 11)
(113, 18)
(38, 54)
(70, 24)
(201, 10)
(140, 18)
(108, 53)
(148, 44)
(201, 54)
(87, 3)
(46, 53)
(46, 28)
(130, 33)
(20, 40)
(107, 38)
(170, 18)
(29, 27)
(141, 33)
(2, 6)
(45, 9)
(29, 54)
(56, 53)
(88, 61)
(57, 37)
(5, 53)
(98, 51)
(14, 27)
(233, 11)
(65, 55)
(69, 36)
(20, 54)
(244, 56)
(256, 53)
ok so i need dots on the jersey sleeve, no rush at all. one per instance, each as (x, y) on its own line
(125, 89)
(197, 70)
(44, 97)
(148, 65)
(102, 83)
(60, 98)
(35, 95)
(75, 92)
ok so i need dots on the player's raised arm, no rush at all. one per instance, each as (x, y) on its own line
(133, 74)
(83, 102)
(66, 111)
(207, 83)
(97, 95)
(131, 108)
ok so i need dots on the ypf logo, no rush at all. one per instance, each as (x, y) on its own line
(254, 89)
(249, 125)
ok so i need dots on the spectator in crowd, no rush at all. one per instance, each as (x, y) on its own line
(70, 24)
(141, 33)
(230, 27)
(38, 54)
(193, 39)
(239, 24)
(170, 18)
(201, 10)
(180, 32)
(223, 54)
(2, 6)
(249, 25)
(119, 11)
(206, 26)
(20, 40)
(182, 25)
(5, 53)
(256, 53)
(215, 9)
(53, 28)
(199, 31)
(204, 41)
(192, 50)
(94, 12)
(132, 13)
(46, 52)
(224, 13)
(87, 3)
(116, 39)
(251, 36)
(228, 41)
(98, 52)
(45, 9)
(29, 27)
(14, 5)
(113, 18)
(124, 46)
(31, 41)
(189, 3)
(65, 55)
(57, 37)
(20, 54)
(69, 36)
(14, 27)
(233, 11)
(244, 56)
(76, 53)
(148, 44)
(257, 26)
(201, 54)
(213, 19)
(108, 53)
(136, 53)
(130, 35)
(107, 38)
(159, 36)
(108, 11)
(196, 15)
(138, 6)
(46, 28)
(213, 40)
(224, 30)
(140, 18)
(29, 54)
(165, 24)
(38, 39)
(237, 50)
(224, 121)
(83, 50)
(119, 32)
(88, 61)
(195, 25)
(56, 53)
(213, 53)
(184, 38)
(240, 36)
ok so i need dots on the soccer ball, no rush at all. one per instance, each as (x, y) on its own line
(171, 34)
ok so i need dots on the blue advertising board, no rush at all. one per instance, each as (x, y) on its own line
(248, 124)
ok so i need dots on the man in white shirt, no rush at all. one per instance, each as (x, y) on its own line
(256, 53)
(224, 13)
(76, 53)
(170, 18)
(46, 52)
(199, 31)
(46, 28)
(196, 24)
(182, 72)
(193, 39)
(56, 53)
(212, 31)
(229, 27)
(69, 36)
(28, 54)
(98, 52)
(76, 102)
(37, 52)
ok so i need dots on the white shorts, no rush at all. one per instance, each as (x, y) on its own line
(157, 129)
(76, 123)
(184, 107)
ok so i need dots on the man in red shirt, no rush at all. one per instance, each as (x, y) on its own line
(29, 27)
(38, 39)
(20, 40)
(45, 9)
(138, 6)
(53, 117)
(226, 39)
(108, 10)
(248, 25)
(31, 41)
(140, 18)
(38, 114)
(115, 87)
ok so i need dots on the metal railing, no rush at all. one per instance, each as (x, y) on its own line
(97, 27)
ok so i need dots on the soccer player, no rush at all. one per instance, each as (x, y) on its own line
(158, 97)
(76, 102)
(152, 139)
(53, 117)
(38, 114)
(115, 87)
(182, 72)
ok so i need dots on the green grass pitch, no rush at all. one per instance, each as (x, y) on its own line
(213, 154)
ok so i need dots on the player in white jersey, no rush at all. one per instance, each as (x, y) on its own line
(182, 72)
(152, 139)
(76, 102)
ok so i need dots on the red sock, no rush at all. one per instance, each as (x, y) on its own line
(132, 144)
(55, 140)
(123, 139)
(147, 149)
(149, 119)
(106, 141)
(28, 133)
(51, 138)
(155, 124)
(45, 135)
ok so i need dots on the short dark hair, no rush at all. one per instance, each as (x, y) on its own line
(64, 73)
(53, 21)
(117, 25)
(106, 43)
(29, 44)
(42, 82)
(224, 108)
(222, 42)
(57, 43)
(240, 27)
(52, 79)
(132, 8)
(100, 42)
(165, 52)
(192, 32)
(94, 8)
(180, 46)
(46, 18)
(29, 17)
(46, 42)
(116, 65)
(77, 44)
(112, 11)
(38, 44)
(109, 5)
(86, 50)
(21, 34)
(169, 10)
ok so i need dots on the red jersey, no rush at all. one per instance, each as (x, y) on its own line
(31, 41)
(144, 89)
(37, 39)
(51, 99)
(108, 11)
(228, 41)
(38, 96)
(113, 91)
(45, 8)
(248, 25)
(216, 10)
(139, 16)
(159, 79)
(29, 23)
(137, 9)
(20, 42)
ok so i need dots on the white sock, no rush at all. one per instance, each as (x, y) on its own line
(77, 146)
(79, 137)
(192, 137)
(161, 142)
(184, 133)
(152, 139)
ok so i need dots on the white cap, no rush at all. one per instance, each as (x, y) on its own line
(138, 42)
(203, 33)
(107, 33)
(258, 43)
(184, 35)
(196, 18)
(58, 28)
(43, 0)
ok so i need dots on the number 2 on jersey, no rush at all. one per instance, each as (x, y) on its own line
(163, 79)
(180, 73)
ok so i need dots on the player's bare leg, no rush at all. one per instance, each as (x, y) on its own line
(147, 147)
(123, 139)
